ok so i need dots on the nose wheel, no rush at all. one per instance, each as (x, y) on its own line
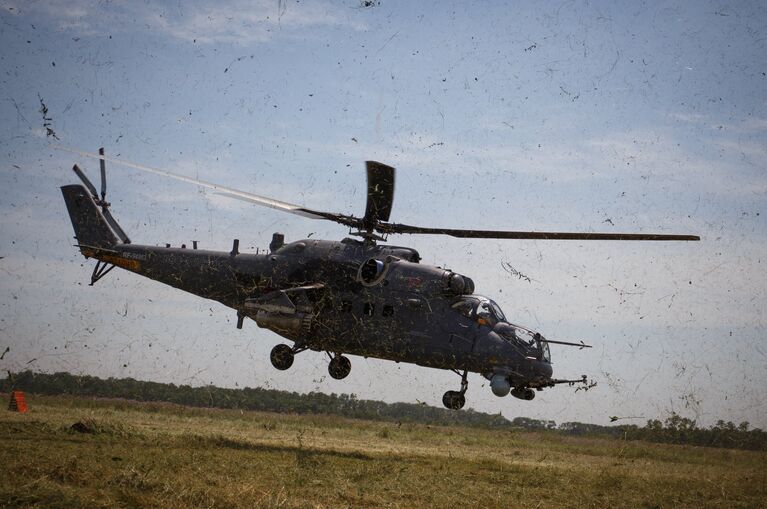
(455, 400)
(339, 366)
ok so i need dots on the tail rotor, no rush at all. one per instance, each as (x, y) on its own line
(101, 201)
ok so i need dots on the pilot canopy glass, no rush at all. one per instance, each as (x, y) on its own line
(481, 309)
(528, 338)
(487, 312)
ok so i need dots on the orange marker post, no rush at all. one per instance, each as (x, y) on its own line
(18, 402)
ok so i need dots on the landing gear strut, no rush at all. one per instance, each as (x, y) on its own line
(454, 400)
(339, 366)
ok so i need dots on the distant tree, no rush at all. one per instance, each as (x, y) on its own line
(532, 424)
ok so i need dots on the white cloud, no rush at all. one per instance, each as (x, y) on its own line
(651, 153)
(232, 22)
(747, 125)
(691, 118)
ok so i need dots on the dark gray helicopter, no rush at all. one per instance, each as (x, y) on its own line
(343, 297)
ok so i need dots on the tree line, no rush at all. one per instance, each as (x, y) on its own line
(675, 429)
(270, 400)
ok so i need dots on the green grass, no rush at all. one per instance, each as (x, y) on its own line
(161, 455)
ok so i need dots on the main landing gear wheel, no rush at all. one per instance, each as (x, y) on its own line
(282, 357)
(454, 400)
(339, 367)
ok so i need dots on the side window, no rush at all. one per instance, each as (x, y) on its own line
(388, 310)
(368, 309)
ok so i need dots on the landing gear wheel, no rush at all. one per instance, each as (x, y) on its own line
(339, 367)
(281, 357)
(453, 400)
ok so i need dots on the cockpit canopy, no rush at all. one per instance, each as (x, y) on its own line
(484, 310)
(487, 312)
(526, 338)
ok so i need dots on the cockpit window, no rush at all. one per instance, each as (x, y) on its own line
(465, 307)
(497, 310)
(480, 308)
(490, 311)
(484, 313)
(528, 339)
(545, 353)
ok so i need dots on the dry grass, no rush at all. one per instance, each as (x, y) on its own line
(157, 455)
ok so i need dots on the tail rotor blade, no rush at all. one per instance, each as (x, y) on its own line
(115, 227)
(85, 180)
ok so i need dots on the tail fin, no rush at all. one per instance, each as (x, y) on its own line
(91, 228)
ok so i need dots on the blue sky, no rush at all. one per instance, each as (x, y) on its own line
(564, 116)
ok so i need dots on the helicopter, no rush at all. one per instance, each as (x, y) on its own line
(357, 296)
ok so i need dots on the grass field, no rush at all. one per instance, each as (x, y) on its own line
(159, 455)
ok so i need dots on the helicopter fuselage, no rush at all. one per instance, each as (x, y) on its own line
(344, 297)
(349, 297)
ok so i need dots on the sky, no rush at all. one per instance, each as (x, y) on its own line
(566, 116)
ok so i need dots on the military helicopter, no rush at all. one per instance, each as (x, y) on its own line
(350, 297)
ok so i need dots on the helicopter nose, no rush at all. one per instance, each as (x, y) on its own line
(544, 369)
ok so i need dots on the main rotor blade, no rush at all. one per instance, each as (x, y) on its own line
(103, 168)
(387, 228)
(380, 193)
(380, 196)
(223, 190)
(350, 221)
